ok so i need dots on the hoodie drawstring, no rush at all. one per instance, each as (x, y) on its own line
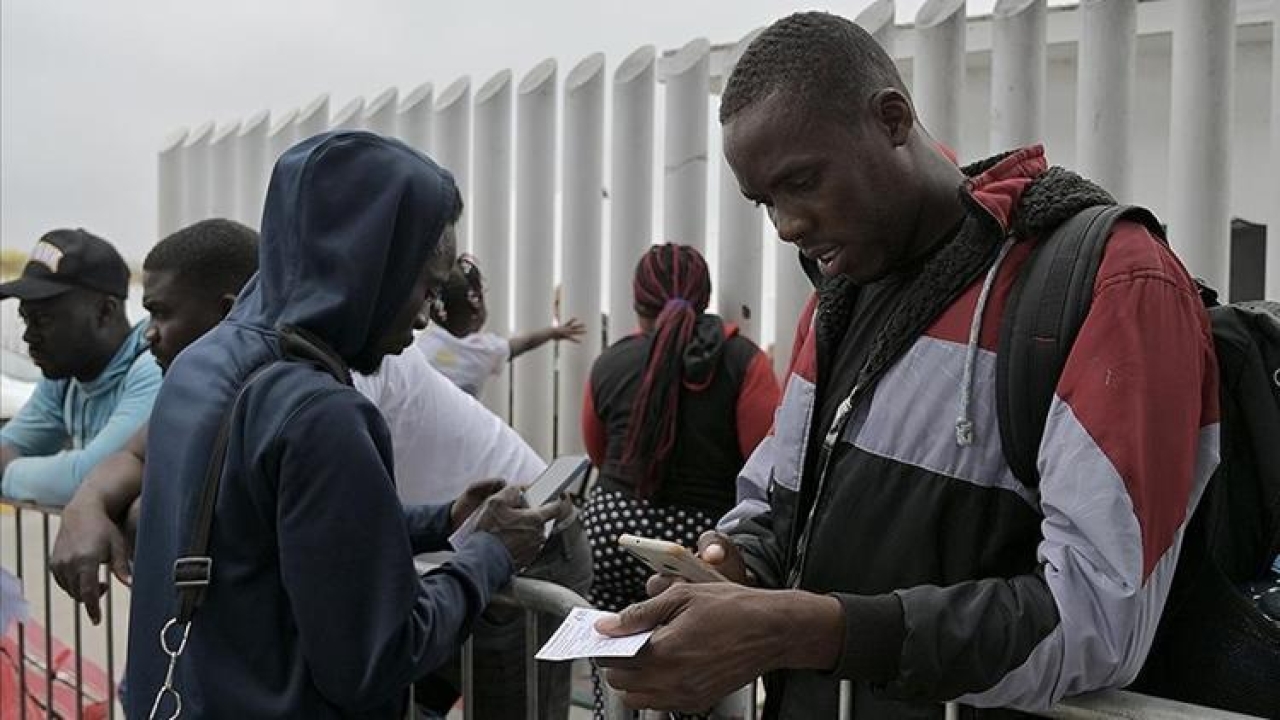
(964, 424)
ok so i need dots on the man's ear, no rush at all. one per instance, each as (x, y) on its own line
(109, 306)
(226, 302)
(892, 112)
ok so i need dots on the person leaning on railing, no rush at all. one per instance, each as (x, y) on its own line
(99, 381)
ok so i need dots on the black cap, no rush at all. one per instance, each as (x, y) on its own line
(66, 259)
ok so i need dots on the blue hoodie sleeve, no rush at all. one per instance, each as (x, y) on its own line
(50, 477)
(429, 527)
(38, 428)
(367, 624)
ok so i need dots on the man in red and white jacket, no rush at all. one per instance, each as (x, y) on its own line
(881, 537)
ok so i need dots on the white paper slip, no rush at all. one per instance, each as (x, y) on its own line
(577, 638)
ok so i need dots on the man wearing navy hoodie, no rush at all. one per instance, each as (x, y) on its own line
(313, 608)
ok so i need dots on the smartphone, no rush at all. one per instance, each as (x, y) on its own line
(668, 558)
(559, 475)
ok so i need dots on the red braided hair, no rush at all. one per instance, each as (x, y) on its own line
(672, 286)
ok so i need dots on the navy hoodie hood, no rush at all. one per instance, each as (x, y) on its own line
(346, 211)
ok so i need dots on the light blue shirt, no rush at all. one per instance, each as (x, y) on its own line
(68, 426)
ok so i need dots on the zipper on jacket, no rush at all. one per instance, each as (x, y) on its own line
(824, 462)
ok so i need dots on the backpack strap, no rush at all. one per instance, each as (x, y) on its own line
(193, 570)
(1046, 308)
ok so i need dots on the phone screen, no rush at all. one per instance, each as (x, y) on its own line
(558, 476)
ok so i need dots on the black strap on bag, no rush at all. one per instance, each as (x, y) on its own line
(1046, 308)
(193, 570)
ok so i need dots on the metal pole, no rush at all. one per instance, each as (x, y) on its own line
(22, 626)
(491, 218)
(111, 649)
(531, 693)
(196, 201)
(791, 291)
(1017, 73)
(687, 76)
(1104, 105)
(1273, 232)
(938, 68)
(75, 620)
(380, 116)
(739, 271)
(1200, 138)
(451, 144)
(223, 170)
(468, 678)
(350, 117)
(253, 168)
(630, 183)
(169, 174)
(414, 126)
(846, 700)
(48, 612)
(877, 19)
(582, 229)
(311, 120)
(535, 248)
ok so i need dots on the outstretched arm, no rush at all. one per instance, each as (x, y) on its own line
(571, 330)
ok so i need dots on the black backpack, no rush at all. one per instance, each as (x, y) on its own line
(1214, 645)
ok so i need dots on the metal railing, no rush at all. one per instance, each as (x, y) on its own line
(65, 681)
(534, 597)
(1126, 705)
(52, 679)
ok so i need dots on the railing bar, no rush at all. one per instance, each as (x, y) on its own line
(48, 612)
(468, 684)
(846, 700)
(111, 649)
(22, 626)
(75, 612)
(530, 665)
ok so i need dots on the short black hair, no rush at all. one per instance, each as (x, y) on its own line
(823, 60)
(215, 256)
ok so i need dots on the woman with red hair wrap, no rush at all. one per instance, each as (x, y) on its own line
(670, 415)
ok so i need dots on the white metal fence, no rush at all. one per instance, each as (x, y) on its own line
(573, 179)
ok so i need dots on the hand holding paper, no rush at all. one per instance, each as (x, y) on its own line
(577, 638)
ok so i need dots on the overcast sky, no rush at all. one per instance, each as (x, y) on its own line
(90, 89)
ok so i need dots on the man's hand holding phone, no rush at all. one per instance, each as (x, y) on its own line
(715, 549)
(471, 499)
(519, 527)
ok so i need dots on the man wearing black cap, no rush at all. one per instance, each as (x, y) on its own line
(99, 380)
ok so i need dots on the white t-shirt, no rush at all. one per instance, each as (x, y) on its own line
(467, 361)
(443, 439)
